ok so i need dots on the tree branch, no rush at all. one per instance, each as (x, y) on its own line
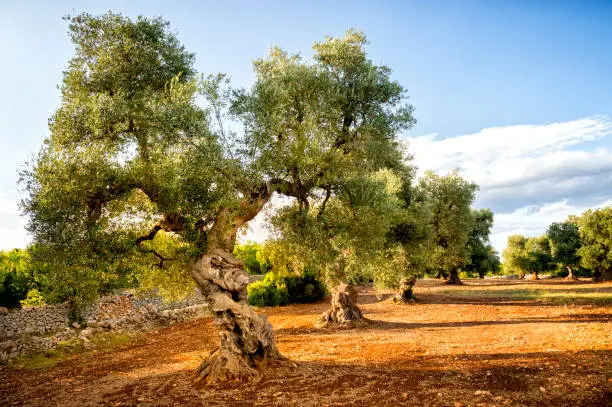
(323, 205)
(150, 236)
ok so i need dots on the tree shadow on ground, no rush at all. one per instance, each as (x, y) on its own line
(391, 325)
(420, 380)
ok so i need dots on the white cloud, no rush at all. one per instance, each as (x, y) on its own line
(257, 229)
(12, 228)
(501, 157)
(485, 155)
(13, 238)
(533, 220)
(529, 175)
(8, 206)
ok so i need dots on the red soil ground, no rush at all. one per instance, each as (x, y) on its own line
(482, 344)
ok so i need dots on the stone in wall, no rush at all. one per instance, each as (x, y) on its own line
(33, 320)
(36, 329)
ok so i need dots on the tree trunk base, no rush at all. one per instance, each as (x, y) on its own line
(246, 339)
(441, 275)
(604, 276)
(454, 279)
(571, 276)
(405, 294)
(534, 277)
(344, 313)
(223, 366)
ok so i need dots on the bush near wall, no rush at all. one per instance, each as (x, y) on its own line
(276, 290)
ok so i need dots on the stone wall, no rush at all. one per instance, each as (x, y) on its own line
(36, 329)
(33, 320)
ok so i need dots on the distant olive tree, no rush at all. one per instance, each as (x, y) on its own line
(595, 228)
(565, 242)
(452, 219)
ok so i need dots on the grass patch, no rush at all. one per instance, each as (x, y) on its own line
(49, 358)
(562, 296)
(103, 342)
(110, 341)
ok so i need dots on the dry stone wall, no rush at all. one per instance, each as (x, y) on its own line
(33, 320)
(35, 329)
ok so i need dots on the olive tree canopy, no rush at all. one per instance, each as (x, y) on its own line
(132, 154)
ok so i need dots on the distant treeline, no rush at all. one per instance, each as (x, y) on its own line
(578, 246)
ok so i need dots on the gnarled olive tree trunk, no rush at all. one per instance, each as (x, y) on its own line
(454, 278)
(405, 293)
(246, 339)
(344, 311)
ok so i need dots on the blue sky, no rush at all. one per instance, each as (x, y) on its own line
(517, 94)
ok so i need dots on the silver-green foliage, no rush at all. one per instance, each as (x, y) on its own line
(141, 145)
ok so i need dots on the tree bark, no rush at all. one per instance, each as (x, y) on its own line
(571, 275)
(481, 274)
(246, 339)
(454, 278)
(606, 275)
(344, 312)
(405, 294)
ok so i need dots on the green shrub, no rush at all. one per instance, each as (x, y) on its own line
(304, 288)
(13, 290)
(269, 292)
(251, 253)
(276, 290)
(34, 298)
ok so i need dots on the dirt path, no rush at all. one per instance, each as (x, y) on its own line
(470, 346)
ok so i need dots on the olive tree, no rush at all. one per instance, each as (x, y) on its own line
(482, 257)
(515, 260)
(595, 227)
(343, 238)
(132, 154)
(450, 198)
(538, 257)
(409, 240)
(565, 241)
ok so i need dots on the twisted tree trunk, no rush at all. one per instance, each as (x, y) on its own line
(454, 278)
(571, 275)
(405, 294)
(246, 339)
(344, 312)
